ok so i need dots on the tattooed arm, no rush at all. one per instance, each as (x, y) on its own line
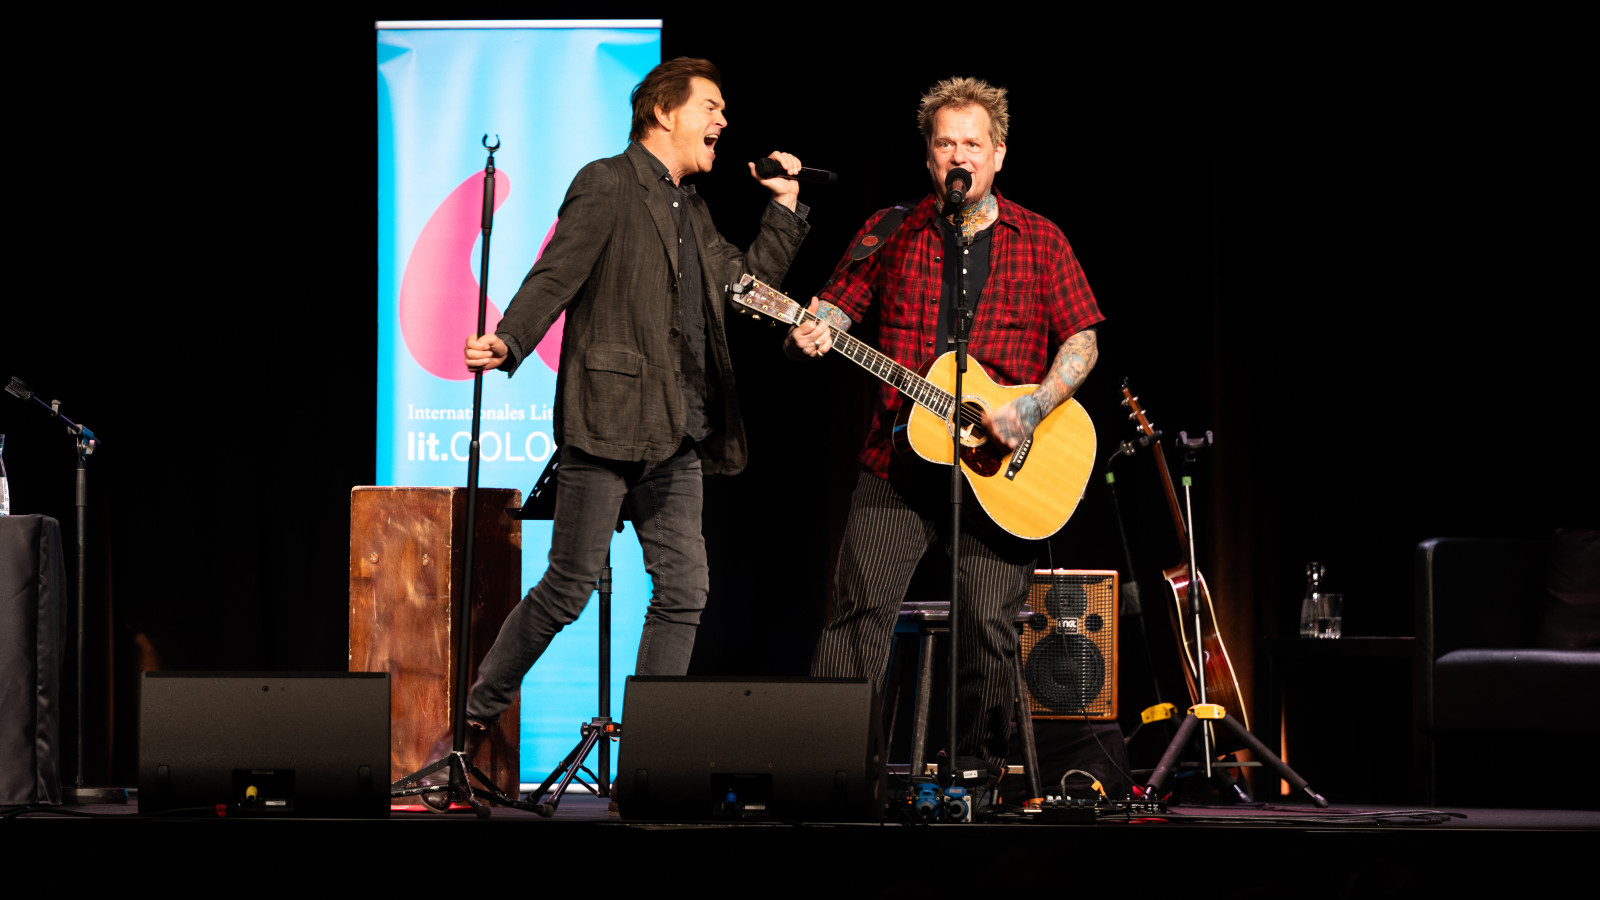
(1012, 423)
(814, 338)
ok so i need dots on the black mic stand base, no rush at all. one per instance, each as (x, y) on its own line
(1215, 713)
(87, 796)
(457, 793)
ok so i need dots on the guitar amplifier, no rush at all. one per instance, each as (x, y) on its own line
(1069, 647)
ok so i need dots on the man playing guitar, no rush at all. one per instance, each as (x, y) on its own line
(1033, 323)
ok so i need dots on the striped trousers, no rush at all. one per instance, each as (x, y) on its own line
(889, 530)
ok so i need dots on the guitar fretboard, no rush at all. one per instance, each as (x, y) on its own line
(899, 377)
(765, 299)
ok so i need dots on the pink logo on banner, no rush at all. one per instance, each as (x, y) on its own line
(439, 292)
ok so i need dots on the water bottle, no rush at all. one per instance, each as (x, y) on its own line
(1308, 606)
(5, 487)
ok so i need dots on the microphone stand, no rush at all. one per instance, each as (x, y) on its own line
(440, 798)
(1132, 606)
(1191, 449)
(86, 443)
(958, 332)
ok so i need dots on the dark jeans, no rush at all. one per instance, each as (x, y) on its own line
(664, 499)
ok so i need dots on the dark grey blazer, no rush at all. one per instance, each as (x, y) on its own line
(611, 265)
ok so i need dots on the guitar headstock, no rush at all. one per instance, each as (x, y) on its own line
(768, 301)
(1135, 414)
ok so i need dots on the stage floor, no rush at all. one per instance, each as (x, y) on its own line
(1236, 851)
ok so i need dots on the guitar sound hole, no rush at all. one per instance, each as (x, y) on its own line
(973, 434)
(982, 456)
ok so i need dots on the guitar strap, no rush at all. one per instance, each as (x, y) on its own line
(881, 232)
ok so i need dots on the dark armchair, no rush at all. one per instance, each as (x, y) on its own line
(1508, 671)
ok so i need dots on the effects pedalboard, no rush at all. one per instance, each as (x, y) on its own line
(1087, 811)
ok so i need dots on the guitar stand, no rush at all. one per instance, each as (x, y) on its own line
(1214, 713)
(1204, 709)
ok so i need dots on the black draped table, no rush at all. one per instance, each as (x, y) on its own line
(32, 586)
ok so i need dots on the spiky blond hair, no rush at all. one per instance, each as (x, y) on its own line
(960, 93)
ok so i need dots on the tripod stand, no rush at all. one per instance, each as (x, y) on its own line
(1212, 712)
(541, 504)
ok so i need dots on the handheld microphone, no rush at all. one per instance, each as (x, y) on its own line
(769, 168)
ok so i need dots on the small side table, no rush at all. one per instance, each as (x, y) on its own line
(1340, 712)
(34, 586)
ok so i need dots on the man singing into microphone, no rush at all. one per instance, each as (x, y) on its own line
(1033, 324)
(645, 398)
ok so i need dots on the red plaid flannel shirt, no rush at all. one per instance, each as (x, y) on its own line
(1036, 297)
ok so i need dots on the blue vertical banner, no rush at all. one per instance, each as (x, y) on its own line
(555, 96)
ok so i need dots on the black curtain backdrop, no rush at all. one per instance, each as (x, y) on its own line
(1346, 247)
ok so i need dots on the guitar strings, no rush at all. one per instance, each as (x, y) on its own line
(968, 415)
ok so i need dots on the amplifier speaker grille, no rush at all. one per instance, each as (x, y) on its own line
(1069, 649)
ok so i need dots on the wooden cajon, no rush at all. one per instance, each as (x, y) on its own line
(407, 557)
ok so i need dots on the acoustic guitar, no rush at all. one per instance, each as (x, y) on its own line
(1205, 657)
(1031, 491)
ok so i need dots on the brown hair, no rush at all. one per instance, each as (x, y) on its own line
(960, 93)
(667, 87)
